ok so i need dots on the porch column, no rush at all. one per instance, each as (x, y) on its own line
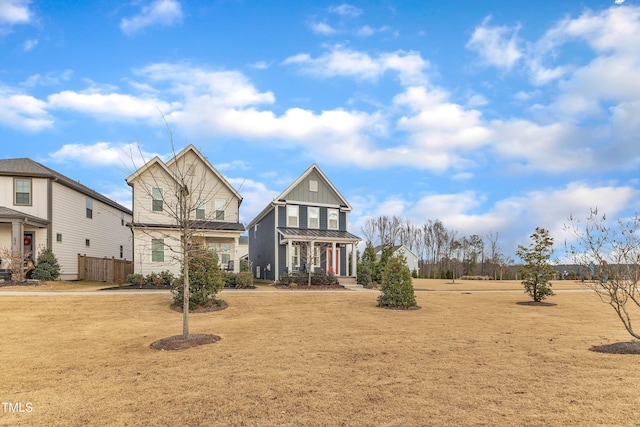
(354, 260)
(289, 256)
(17, 237)
(333, 259)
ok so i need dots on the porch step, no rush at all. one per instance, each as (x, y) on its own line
(349, 282)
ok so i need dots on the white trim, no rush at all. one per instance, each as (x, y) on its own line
(297, 216)
(337, 227)
(317, 217)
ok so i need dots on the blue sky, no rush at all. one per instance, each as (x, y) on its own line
(491, 116)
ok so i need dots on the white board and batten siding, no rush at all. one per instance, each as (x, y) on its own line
(105, 230)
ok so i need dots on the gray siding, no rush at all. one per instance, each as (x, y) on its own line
(282, 216)
(261, 251)
(324, 195)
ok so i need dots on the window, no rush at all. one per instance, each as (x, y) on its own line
(58, 237)
(22, 189)
(223, 250)
(316, 256)
(87, 242)
(220, 204)
(89, 208)
(121, 218)
(313, 214)
(156, 197)
(157, 250)
(255, 231)
(200, 213)
(121, 251)
(332, 216)
(292, 216)
(295, 256)
(313, 186)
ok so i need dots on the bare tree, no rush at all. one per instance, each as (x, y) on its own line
(611, 253)
(179, 191)
(369, 230)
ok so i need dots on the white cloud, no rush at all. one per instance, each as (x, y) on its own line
(322, 28)
(23, 112)
(340, 61)
(496, 46)
(29, 45)
(126, 156)
(159, 12)
(49, 79)
(346, 10)
(14, 12)
(108, 106)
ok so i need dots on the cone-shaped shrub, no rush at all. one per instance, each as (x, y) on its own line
(397, 290)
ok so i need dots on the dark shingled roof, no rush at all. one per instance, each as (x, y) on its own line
(8, 213)
(29, 168)
(203, 225)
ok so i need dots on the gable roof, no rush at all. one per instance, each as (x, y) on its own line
(28, 168)
(8, 213)
(166, 167)
(280, 199)
(378, 249)
(314, 168)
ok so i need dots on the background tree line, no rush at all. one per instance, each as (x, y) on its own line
(442, 252)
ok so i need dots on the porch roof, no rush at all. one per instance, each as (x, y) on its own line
(313, 234)
(8, 214)
(196, 225)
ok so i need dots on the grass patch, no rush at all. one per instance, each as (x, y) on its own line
(309, 359)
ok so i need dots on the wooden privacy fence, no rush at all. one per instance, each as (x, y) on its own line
(104, 269)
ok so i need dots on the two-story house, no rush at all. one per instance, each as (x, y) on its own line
(185, 194)
(43, 209)
(304, 228)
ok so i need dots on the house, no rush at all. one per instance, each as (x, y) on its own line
(409, 256)
(304, 228)
(187, 187)
(43, 209)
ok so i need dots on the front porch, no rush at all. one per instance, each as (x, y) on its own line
(333, 252)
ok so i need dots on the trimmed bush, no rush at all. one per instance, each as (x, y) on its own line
(397, 290)
(47, 267)
(205, 279)
(244, 280)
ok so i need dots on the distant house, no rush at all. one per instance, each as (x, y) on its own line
(304, 228)
(213, 212)
(412, 259)
(43, 209)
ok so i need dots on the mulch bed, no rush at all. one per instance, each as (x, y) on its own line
(30, 282)
(311, 288)
(134, 287)
(217, 305)
(626, 347)
(178, 342)
(537, 303)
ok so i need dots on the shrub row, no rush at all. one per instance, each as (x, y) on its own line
(163, 279)
(242, 280)
(301, 278)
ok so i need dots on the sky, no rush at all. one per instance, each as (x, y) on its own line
(490, 116)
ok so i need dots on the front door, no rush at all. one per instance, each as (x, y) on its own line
(330, 266)
(28, 244)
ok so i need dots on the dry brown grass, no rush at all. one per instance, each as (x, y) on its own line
(321, 359)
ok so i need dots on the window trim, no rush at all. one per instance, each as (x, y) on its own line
(155, 252)
(289, 209)
(89, 207)
(201, 212)
(15, 191)
(220, 213)
(157, 205)
(337, 213)
(316, 216)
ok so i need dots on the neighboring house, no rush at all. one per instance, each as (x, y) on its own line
(42, 209)
(304, 228)
(410, 257)
(243, 249)
(212, 205)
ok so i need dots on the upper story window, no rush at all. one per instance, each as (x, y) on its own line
(157, 250)
(292, 215)
(121, 218)
(200, 209)
(156, 197)
(89, 208)
(220, 205)
(313, 217)
(22, 191)
(332, 219)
